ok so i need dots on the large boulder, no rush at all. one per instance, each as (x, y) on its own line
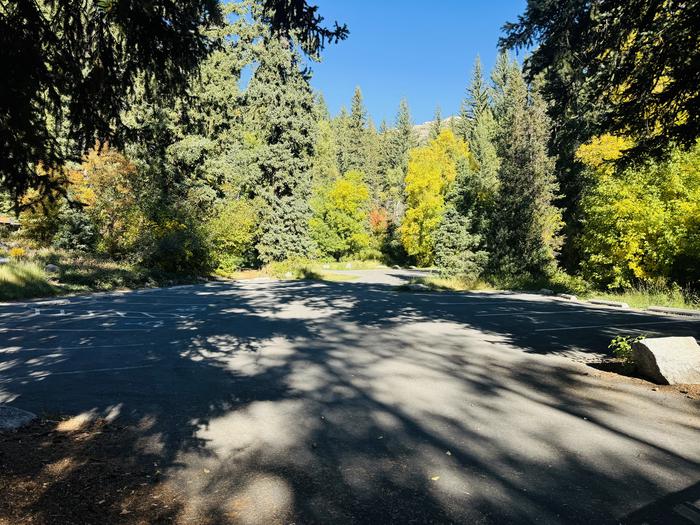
(668, 360)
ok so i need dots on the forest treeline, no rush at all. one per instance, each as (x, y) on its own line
(231, 174)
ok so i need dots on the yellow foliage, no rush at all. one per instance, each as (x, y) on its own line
(603, 149)
(431, 171)
(17, 253)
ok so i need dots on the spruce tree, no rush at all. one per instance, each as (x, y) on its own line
(436, 124)
(341, 130)
(372, 162)
(356, 145)
(405, 138)
(280, 110)
(523, 232)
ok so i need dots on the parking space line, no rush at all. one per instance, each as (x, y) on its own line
(614, 325)
(41, 375)
(549, 312)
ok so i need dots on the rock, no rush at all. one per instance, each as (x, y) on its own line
(51, 268)
(567, 296)
(13, 418)
(615, 304)
(668, 360)
(546, 291)
(396, 267)
(4, 260)
(674, 311)
(418, 287)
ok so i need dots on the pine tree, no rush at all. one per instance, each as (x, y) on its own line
(325, 160)
(436, 124)
(476, 101)
(372, 163)
(523, 232)
(405, 138)
(341, 130)
(356, 154)
(457, 250)
(279, 105)
(321, 108)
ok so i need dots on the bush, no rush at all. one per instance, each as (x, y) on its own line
(621, 347)
(17, 253)
(232, 232)
(178, 245)
(76, 232)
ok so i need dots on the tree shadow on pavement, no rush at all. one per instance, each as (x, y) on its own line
(313, 402)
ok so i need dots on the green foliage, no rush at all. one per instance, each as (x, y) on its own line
(232, 232)
(279, 110)
(641, 223)
(617, 67)
(76, 231)
(523, 237)
(177, 244)
(457, 248)
(658, 293)
(339, 225)
(21, 280)
(622, 347)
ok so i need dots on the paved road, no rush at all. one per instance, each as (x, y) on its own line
(311, 402)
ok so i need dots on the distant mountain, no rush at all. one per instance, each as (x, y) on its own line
(423, 130)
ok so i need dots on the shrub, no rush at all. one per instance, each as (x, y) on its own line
(17, 253)
(621, 347)
(232, 232)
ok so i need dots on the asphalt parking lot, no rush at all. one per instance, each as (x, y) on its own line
(351, 402)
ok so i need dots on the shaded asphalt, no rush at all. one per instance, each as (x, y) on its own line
(351, 402)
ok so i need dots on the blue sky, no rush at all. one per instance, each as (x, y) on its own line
(418, 49)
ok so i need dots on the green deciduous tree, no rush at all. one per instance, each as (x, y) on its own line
(641, 223)
(339, 225)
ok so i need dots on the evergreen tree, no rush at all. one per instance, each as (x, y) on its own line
(523, 232)
(341, 130)
(372, 163)
(405, 138)
(356, 152)
(457, 247)
(279, 107)
(325, 159)
(436, 124)
(321, 108)
(476, 101)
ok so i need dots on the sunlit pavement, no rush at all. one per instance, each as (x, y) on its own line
(318, 402)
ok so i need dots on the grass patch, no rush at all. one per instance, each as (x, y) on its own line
(451, 284)
(23, 280)
(309, 269)
(646, 296)
(348, 265)
(78, 273)
(239, 275)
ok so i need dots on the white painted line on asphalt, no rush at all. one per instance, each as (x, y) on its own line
(41, 375)
(13, 349)
(98, 329)
(616, 325)
(596, 310)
